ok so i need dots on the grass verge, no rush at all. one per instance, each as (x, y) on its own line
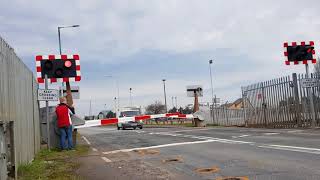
(53, 164)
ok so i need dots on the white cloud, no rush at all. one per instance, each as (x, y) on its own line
(113, 31)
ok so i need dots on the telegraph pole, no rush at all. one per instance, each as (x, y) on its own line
(172, 98)
(176, 102)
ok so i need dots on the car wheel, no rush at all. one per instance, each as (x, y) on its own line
(135, 128)
(118, 128)
(140, 127)
(123, 128)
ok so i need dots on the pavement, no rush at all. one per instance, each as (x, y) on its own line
(201, 153)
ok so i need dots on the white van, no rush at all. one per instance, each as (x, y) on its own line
(129, 112)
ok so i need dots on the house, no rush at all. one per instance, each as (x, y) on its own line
(237, 104)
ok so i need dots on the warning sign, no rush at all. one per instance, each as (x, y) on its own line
(48, 95)
(309, 83)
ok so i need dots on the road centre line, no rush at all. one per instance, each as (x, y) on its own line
(159, 146)
(290, 149)
(106, 159)
(87, 141)
(188, 130)
(269, 146)
(245, 135)
(208, 138)
(296, 147)
(295, 131)
(271, 133)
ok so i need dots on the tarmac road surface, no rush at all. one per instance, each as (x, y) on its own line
(178, 153)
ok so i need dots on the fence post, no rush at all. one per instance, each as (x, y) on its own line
(296, 99)
(244, 107)
(226, 114)
(264, 106)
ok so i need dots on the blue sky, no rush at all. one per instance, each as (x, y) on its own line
(141, 42)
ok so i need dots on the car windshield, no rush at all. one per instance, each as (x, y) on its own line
(129, 113)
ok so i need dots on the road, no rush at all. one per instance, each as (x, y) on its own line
(178, 153)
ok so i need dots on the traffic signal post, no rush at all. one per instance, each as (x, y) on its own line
(313, 122)
(301, 53)
(47, 113)
(58, 68)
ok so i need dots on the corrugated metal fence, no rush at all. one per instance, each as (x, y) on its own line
(18, 97)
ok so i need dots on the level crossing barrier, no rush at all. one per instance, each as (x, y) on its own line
(102, 122)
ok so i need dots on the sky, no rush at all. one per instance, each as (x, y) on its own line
(141, 42)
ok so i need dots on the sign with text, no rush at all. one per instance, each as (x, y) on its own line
(75, 91)
(309, 83)
(48, 95)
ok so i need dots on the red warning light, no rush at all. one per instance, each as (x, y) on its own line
(67, 64)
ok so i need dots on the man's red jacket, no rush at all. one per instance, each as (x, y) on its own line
(63, 112)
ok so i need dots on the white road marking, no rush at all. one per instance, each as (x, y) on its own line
(84, 138)
(200, 129)
(297, 147)
(159, 146)
(106, 159)
(245, 135)
(270, 133)
(207, 138)
(94, 149)
(295, 131)
(290, 149)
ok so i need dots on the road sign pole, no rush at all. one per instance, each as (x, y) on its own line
(47, 113)
(313, 115)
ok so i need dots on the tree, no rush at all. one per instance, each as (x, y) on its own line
(111, 114)
(156, 108)
(181, 110)
(173, 110)
(187, 110)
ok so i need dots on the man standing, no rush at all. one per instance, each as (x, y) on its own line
(63, 112)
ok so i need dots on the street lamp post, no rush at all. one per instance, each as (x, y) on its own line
(165, 95)
(130, 90)
(115, 105)
(212, 96)
(61, 27)
(60, 51)
(118, 94)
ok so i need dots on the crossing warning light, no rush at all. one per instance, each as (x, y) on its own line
(299, 53)
(58, 68)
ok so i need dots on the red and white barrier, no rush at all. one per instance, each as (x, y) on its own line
(102, 122)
